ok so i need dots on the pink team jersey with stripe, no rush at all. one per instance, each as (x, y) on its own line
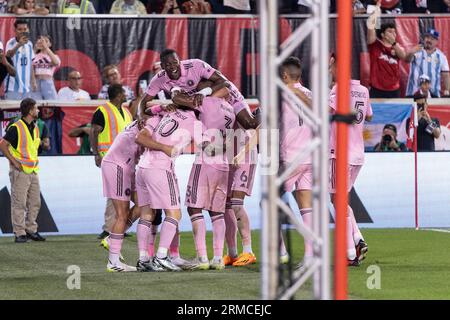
(294, 134)
(217, 116)
(360, 104)
(124, 150)
(175, 128)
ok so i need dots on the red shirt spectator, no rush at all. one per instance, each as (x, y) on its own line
(384, 67)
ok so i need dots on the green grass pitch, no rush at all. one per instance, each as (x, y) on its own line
(413, 264)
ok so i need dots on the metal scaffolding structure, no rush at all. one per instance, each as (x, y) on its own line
(272, 56)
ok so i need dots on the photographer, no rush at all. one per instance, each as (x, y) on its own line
(389, 140)
(428, 128)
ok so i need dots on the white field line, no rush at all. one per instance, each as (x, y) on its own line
(437, 230)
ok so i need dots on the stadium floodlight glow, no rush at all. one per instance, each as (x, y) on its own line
(317, 119)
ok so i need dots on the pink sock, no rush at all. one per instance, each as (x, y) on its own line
(355, 229)
(168, 229)
(230, 230)
(243, 224)
(218, 226)
(175, 245)
(143, 236)
(115, 244)
(307, 220)
(351, 251)
(152, 240)
(199, 230)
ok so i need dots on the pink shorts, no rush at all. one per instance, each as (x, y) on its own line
(352, 173)
(300, 179)
(207, 188)
(241, 178)
(157, 188)
(118, 181)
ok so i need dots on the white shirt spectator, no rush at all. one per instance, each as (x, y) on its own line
(243, 5)
(67, 94)
(431, 65)
(21, 83)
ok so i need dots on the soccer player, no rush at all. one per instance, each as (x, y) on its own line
(360, 104)
(295, 136)
(118, 172)
(208, 181)
(157, 183)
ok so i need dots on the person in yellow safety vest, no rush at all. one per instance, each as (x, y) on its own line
(75, 7)
(108, 121)
(20, 146)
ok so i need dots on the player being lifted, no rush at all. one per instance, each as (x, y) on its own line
(360, 105)
(294, 137)
(186, 75)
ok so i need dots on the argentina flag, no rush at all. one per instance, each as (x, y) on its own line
(384, 113)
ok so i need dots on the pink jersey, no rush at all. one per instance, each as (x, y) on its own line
(360, 104)
(192, 72)
(175, 128)
(124, 150)
(217, 116)
(43, 65)
(295, 134)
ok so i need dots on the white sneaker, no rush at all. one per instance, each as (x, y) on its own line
(166, 263)
(120, 267)
(198, 264)
(217, 264)
(180, 262)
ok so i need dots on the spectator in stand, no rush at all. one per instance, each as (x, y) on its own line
(358, 7)
(424, 87)
(3, 6)
(387, 7)
(73, 92)
(112, 76)
(75, 7)
(428, 128)
(30, 7)
(196, 7)
(163, 7)
(128, 7)
(20, 50)
(425, 6)
(102, 6)
(6, 65)
(236, 6)
(431, 61)
(389, 140)
(44, 64)
(385, 55)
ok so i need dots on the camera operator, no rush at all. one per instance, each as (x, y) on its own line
(428, 128)
(389, 140)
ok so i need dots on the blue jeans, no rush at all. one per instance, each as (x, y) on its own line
(12, 95)
(45, 90)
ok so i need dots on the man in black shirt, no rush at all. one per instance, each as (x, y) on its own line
(428, 128)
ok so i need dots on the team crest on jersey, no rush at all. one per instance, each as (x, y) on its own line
(128, 192)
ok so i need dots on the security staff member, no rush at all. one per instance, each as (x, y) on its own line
(107, 122)
(20, 145)
(75, 7)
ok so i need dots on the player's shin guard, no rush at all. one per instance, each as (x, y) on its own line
(168, 231)
(218, 226)
(230, 230)
(143, 237)
(307, 220)
(243, 223)
(115, 245)
(199, 230)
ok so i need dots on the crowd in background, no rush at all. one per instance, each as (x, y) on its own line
(44, 7)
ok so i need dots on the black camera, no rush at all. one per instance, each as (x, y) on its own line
(387, 139)
(430, 127)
